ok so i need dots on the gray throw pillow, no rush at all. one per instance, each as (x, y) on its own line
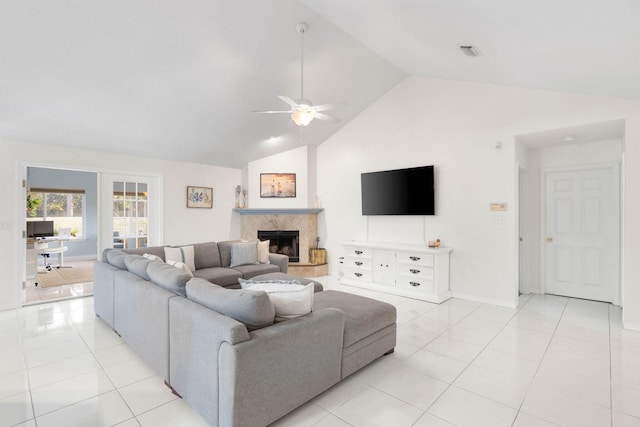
(244, 253)
(252, 308)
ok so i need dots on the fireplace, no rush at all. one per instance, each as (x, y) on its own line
(285, 242)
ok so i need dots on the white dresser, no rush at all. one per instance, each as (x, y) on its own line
(409, 270)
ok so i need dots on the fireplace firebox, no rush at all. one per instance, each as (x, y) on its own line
(285, 242)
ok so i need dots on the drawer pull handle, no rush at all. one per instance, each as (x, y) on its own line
(414, 284)
(414, 271)
(414, 258)
(358, 274)
(358, 263)
(358, 252)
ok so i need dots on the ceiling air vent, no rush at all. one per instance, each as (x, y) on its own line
(470, 51)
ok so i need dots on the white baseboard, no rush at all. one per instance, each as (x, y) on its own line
(483, 300)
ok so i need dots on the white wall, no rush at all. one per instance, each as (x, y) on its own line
(298, 161)
(181, 225)
(573, 155)
(454, 126)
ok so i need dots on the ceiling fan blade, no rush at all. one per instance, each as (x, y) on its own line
(322, 116)
(324, 107)
(272, 112)
(288, 100)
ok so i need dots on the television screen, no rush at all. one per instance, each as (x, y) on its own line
(399, 192)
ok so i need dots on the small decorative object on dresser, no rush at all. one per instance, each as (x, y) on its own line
(199, 197)
(409, 270)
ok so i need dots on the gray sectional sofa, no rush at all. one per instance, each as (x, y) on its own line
(220, 348)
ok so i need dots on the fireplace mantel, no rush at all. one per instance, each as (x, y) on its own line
(271, 211)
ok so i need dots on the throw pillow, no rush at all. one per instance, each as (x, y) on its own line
(181, 254)
(263, 252)
(181, 266)
(244, 253)
(253, 309)
(290, 299)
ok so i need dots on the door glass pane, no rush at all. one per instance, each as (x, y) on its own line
(130, 215)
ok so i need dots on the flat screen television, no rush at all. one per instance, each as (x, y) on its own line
(39, 229)
(399, 192)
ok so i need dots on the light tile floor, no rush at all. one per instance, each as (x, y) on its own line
(37, 294)
(553, 361)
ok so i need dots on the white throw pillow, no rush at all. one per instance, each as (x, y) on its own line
(181, 254)
(263, 252)
(181, 266)
(290, 300)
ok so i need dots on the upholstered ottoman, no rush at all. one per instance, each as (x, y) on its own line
(369, 329)
(317, 287)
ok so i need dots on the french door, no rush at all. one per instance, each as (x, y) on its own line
(131, 212)
(582, 246)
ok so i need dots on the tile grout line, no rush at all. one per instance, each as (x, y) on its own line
(449, 385)
(540, 363)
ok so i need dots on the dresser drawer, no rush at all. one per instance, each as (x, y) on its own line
(415, 271)
(408, 258)
(357, 274)
(355, 251)
(357, 262)
(416, 284)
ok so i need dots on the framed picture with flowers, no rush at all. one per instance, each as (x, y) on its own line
(199, 197)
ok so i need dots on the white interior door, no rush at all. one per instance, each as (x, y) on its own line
(582, 239)
(131, 213)
(523, 283)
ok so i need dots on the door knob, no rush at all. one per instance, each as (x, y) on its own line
(550, 239)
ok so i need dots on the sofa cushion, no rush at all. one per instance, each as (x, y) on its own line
(153, 250)
(116, 258)
(219, 276)
(290, 299)
(181, 254)
(253, 308)
(363, 316)
(244, 253)
(206, 255)
(225, 252)
(137, 264)
(168, 277)
(252, 270)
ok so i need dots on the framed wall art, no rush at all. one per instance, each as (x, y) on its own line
(199, 197)
(274, 185)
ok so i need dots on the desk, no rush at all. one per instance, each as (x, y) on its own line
(43, 247)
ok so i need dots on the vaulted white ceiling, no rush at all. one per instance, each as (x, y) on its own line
(178, 80)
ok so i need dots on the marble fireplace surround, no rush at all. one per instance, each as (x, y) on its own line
(303, 220)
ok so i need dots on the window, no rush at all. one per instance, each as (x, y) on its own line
(65, 207)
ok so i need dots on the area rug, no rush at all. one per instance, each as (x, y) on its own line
(80, 273)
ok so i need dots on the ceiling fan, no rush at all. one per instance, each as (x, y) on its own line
(302, 111)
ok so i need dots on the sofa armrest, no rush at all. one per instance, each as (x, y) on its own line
(280, 368)
(195, 336)
(282, 261)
